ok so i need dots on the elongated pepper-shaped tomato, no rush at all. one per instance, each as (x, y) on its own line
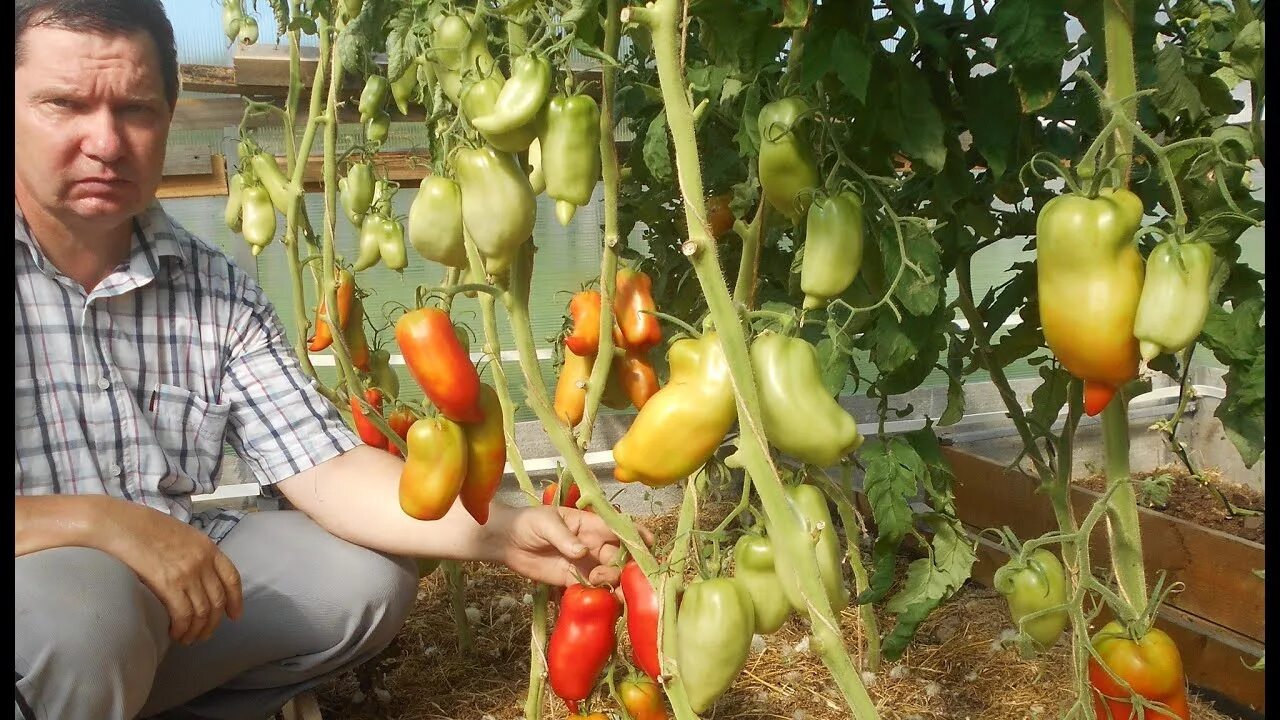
(584, 308)
(1089, 280)
(323, 336)
(638, 378)
(582, 641)
(439, 363)
(435, 469)
(681, 426)
(357, 341)
(642, 618)
(571, 387)
(636, 328)
(369, 433)
(486, 457)
(400, 420)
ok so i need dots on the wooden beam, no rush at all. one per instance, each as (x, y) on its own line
(1215, 568)
(186, 183)
(1213, 657)
(219, 113)
(405, 168)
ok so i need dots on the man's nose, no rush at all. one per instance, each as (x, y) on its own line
(103, 136)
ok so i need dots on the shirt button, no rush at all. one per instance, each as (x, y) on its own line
(103, 383)
(115, 470)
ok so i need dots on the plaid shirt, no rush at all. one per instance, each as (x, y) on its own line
(131, 390)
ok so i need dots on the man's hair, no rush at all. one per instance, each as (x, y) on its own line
(105, 17)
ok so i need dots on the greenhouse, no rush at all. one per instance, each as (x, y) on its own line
(622, 360)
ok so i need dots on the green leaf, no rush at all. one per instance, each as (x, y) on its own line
(357, 37)
(1048, 399)
(904, 11)
(303, 24)
(748, 135)
(1237, 335)
(398, 57)
(1243, 411)
(911, 118)
(1031, 38)
(892, 476)
(657, 152)
(930, 581)
(1175, 93)
(1248, 56)
(917, 290)
(991, 106)
(853, 64)
(957, 351)
(795, 13)
(834, 365)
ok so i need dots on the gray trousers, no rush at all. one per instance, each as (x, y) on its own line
(92, 642)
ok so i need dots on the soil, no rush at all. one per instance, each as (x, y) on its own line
(962, 665)
(1192, 500)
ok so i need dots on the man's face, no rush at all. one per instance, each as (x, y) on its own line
(90, 124)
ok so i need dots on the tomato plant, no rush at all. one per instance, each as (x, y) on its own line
(861, 155)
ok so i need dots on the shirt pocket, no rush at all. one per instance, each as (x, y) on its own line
(191, 432)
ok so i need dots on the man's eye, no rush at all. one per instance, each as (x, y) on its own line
(66, 103)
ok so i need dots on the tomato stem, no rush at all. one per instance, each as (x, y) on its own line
(1123, 532)
(1122, 79)
(612, 180)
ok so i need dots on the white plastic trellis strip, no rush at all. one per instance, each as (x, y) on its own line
(1149, 404)
(328, 360)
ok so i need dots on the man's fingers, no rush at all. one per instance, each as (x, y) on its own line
(217, 597)
(230, 578)
(179, 607)
(199, 612)
(557, 532)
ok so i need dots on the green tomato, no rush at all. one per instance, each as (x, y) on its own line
(1039, 584)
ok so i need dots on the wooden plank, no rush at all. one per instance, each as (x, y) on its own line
(187, 160)
(219, 113)
(211, 183)
(302, 707)
(1215, 568)
(206, 78)
(1213, 658)
(403, 167)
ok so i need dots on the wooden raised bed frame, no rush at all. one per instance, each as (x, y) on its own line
(1217, 619)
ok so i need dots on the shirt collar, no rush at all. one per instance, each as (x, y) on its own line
(154, 238)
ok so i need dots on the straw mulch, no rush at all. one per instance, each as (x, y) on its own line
(957, 668)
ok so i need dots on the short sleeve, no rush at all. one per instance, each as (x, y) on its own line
(280, 424)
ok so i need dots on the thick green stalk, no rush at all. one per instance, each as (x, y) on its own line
(670, 584)
(538, 626)
(458, 603)
(661, 17)
(537, 654)
(1122, 80)
(314, 117)
(612, 179)
(328, 247)
(841, 494)
(1123, 531)
(744, 291)
(516, 298)
(1059, 490)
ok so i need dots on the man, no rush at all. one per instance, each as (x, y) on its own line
(140, 351)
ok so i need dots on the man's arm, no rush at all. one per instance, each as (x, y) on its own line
(356, 497)
(50, 521)
(181, 565)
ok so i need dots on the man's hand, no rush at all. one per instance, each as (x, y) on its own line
(194, 580)
(557, 545)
